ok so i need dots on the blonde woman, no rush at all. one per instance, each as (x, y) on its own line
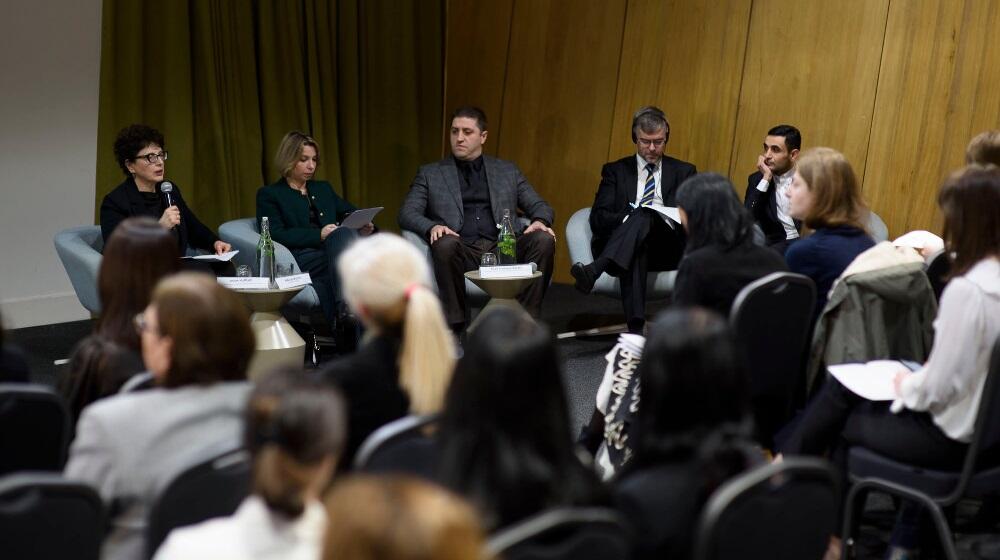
(825, 195)
(305, 215)
(398, 518)
(406, 361)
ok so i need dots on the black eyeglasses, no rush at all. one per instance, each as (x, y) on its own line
(141, 325)
(152, 158)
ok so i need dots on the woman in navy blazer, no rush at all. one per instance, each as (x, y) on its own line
(825, 196)
(304, 216)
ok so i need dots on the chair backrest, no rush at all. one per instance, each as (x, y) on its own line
(771, 319)
(213, 488)
(877, 228)
(563, 534)
(984, 449)
(43, 515)
(938, 267)
(34, 427)
(777, 511)
(402, 445)
(243, 234)
(79, 249)
(579, 236)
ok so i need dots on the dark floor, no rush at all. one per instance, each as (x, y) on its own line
(564, 310)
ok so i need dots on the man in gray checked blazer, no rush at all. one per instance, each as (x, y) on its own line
(456, 204)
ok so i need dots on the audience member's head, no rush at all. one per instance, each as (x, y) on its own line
(138, 254)
(825, 191)
(781, 148)
(712, 213)
(970, 203)
(984, 148)
(133, 139)
(194, 331)
(692, 385)
(506, 441)
(295, 430)
(386, 281)
(291, 150)
(399, 518)
(98, 368)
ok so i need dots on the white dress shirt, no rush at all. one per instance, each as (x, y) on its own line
(950, 384)
(782, 184)
(641, 181)
(252, 533)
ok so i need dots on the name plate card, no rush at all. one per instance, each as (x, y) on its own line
(507, 271)
(293, 281)
(244, 282)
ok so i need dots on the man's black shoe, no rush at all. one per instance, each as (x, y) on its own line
(584, 276)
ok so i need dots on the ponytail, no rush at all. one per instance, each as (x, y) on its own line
(426, 358)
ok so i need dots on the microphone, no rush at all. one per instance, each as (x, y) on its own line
(166, 188)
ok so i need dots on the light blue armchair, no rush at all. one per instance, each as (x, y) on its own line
(243, 235)
(79, 249)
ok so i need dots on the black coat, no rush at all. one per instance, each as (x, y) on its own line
(619, 180)
(764, 208)
(712, 277)
(125, 201)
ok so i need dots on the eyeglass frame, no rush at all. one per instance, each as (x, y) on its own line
(141, 325)
(647, 142)
(153, 157)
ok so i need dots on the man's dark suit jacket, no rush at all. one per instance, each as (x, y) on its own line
(619, 181)
(125, 201)
(287, 212)
(764, 207)
(435, 197)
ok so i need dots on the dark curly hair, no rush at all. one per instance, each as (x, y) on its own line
(133, 138)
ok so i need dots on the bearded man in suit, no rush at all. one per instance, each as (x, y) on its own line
(457, 203)
(630, 238)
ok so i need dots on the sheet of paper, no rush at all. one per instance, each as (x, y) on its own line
(360, 218)
(244, 282)
(668, 212)
(224, 257)
(919, 239)
(873, 380)
(293, 281)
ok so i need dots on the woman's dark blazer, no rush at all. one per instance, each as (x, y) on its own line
(288, 212)
(369, 381)
(125, 201)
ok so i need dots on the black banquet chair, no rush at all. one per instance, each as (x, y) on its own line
(778, 511)
(564, 534)
(401, 446)
(34, 427)
(938, 268)
(43, 515)
(771, 320)
(213, 488)
(979, 476)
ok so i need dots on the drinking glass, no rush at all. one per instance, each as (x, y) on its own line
(243, 271)
(488, 259)
(282, 270)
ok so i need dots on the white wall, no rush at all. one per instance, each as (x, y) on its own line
(49, 78)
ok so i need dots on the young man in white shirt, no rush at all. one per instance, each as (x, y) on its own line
(766, 187)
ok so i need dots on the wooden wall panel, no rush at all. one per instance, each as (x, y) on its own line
(814, 65)
(687, 58)
(476, 60)
(939, 86)
(558, 101)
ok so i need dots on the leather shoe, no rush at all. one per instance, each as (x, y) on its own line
(584, 277)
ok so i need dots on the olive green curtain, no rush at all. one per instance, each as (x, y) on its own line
(225, 80)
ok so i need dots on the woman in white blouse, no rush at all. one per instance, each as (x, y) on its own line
(295, 430)
(932, 420)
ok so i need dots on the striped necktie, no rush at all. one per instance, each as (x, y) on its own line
(650, 189)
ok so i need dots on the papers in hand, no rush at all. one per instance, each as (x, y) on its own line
(360, 218)
(873, 380)
(670, 214)
(920, 239)
(508, 270)
(224, 257)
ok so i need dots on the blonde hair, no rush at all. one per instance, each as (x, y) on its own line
(399, 518)
(387, 280)
(834, 187)
(984, 148)
(290, 150)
